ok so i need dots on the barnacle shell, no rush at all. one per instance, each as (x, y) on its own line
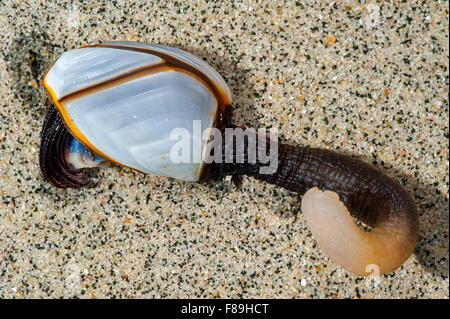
(122, 100)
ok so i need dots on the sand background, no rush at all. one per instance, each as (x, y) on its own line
(369, 79)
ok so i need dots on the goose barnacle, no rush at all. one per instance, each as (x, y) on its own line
(120, 101)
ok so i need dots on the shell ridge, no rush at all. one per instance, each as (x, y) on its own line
(110, 81)
(181, 56)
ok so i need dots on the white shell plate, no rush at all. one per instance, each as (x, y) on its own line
(131, 121)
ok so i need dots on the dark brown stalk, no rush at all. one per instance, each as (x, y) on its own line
(369, 195)
(52, 156)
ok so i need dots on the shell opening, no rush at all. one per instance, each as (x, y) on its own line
(80, 157)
